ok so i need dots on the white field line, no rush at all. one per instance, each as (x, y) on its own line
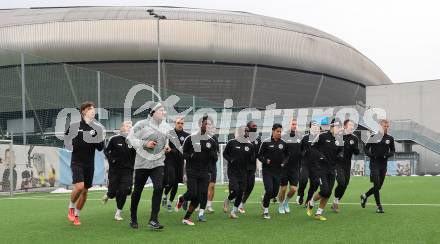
(97, 199)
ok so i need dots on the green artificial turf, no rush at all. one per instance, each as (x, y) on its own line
(411, 204)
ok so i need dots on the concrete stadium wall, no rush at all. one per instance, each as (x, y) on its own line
(418, 101)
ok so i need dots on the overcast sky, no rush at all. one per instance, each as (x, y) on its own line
(401, 37)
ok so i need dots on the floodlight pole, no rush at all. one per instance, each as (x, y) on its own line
(158, 18)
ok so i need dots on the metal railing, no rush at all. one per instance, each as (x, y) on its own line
(408, 130)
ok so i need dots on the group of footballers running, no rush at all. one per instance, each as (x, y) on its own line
(290, 160)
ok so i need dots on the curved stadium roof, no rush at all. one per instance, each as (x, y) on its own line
(81, 34)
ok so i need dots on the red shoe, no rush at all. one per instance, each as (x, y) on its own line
(71, 214)
(179, 203)
(187, 222)
(76, 221)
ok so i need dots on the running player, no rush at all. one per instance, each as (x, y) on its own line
(212, 175)
(290, 173)
(379, 148)
(310, 157)
(238, 152)
(343, 168)
(199, 149)
(255, 139)
(273, 154)
(83, 138)
(174, 163)
(149, 138)
(120, 158)
(330, 145)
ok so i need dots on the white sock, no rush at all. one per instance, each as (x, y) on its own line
(208, 204)
(266, 210)
(297, 198)
(118, 211)
(336, 200)
(77, 212)
(201, 212)
(169, 202)
(319, 211)
(241, 205)
(71, 205)
(312, 203)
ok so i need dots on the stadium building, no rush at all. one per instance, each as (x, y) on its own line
(55, 58)
(253, 59)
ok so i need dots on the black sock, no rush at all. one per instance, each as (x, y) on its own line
(369, 192)
(187, 215)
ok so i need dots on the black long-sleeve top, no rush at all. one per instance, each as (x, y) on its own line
(239, 155)
(119, 153)
(213, 163)
(83, 139)
(273, 155)
(351, 146)
(310, 154)
(199, 151)
(256, 145)
(331, 149)
(293, 140)
(380, 149)
(176, 140)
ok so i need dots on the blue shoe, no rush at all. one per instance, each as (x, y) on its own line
(281, 209)
(286, 207)
(201, 218)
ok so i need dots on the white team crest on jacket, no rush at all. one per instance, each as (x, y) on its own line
(182, 138)
(92, 132)
(387, 141)
(208, 145)
(280, 146)
(246, 148)
(298, 140)
(351, 142)
(337, 143)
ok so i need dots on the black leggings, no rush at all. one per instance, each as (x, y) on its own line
(171, 183)
(250, 183)
(343, 178)
(307, 173)
(326, 182)
(377, 176)
(120, 182)
(237, 186)
(271, 183)
(173, 191)
(140, 179)
(197, 190)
